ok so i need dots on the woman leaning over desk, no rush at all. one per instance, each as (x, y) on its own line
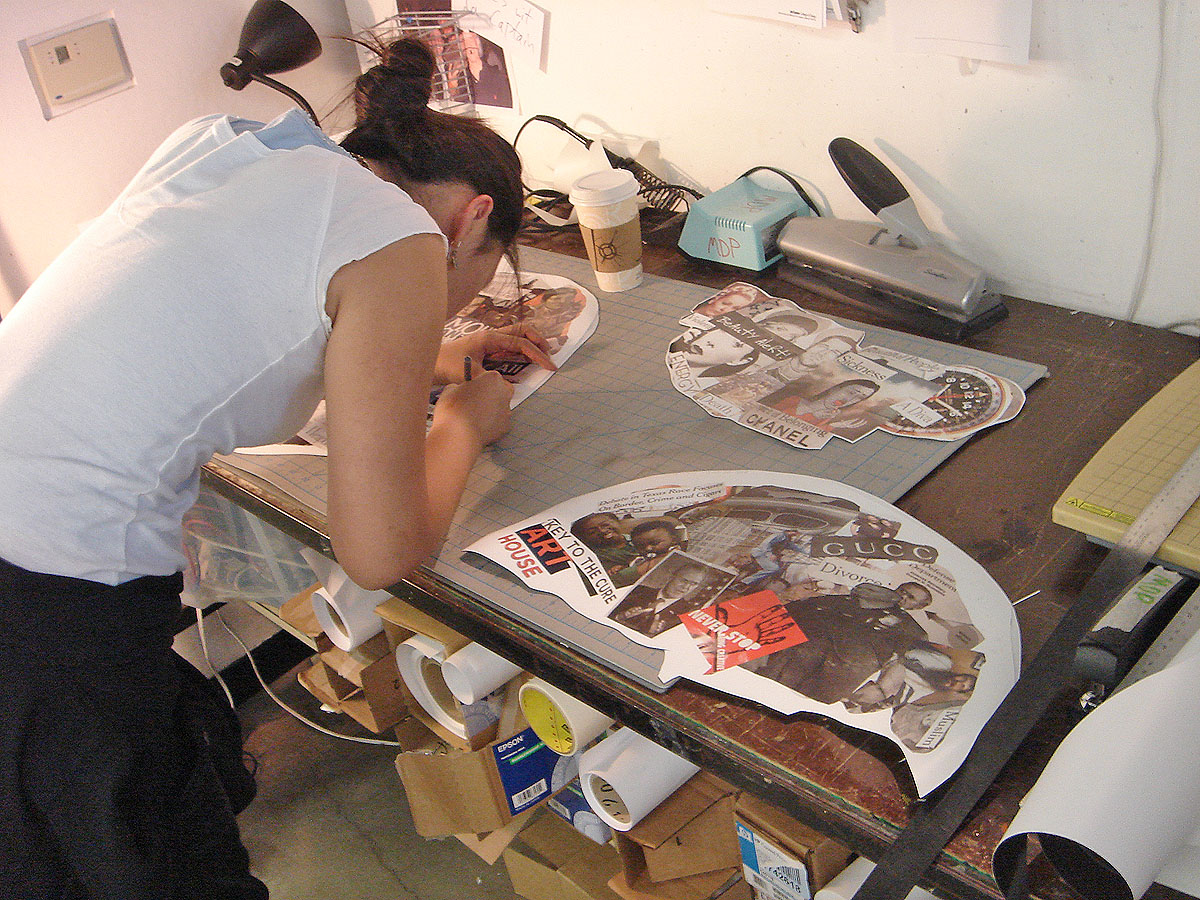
(246, 271)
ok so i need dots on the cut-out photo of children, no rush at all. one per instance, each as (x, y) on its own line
(628, 548)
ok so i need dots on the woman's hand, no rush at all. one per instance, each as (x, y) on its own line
(479, 406)
(512, 342)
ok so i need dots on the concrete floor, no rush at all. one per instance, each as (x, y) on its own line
(331, 821)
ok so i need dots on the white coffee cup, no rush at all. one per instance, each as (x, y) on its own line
(607, 205)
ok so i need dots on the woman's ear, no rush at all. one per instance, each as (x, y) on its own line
(470, 225)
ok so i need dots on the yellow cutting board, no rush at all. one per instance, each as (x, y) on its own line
(1134, 465)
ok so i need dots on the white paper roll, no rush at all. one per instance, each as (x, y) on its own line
(330, 574)
(625, 776)
(1121, 794)
(844, 885)
(475, 671)
(420, 660)
(563, 723)
(348, 615)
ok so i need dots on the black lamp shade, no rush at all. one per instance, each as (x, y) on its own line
(275, 38)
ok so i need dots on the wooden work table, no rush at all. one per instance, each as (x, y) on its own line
(992, 498)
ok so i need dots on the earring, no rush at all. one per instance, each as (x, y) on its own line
(452, 258)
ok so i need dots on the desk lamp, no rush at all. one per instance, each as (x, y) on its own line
(275, 38)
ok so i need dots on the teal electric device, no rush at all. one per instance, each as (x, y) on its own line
(739, 224)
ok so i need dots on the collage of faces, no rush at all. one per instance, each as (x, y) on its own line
(803, 378)
(884, 630)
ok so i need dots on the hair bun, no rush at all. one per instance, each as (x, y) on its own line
(399, 85)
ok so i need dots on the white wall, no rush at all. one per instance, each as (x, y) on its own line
(1050, 175)
(56, 174)
(1044, 174)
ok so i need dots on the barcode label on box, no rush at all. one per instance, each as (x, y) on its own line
(527, 768)
(528, 795)
(773, 874)
(793, 879)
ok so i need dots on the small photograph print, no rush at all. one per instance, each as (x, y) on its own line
(679, 584)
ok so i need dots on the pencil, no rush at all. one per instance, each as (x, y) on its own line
(466, 368)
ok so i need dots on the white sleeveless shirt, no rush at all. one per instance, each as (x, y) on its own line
(187, 319)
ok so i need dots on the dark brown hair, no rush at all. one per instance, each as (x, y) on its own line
(394, 126)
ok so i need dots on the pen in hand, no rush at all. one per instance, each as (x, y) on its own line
(466, 368)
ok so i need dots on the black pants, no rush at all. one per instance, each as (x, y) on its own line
(108, 787)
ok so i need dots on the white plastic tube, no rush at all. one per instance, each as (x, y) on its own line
(345, 612)
(475, 671)
(563, 723)
(625, 776)
(348, 617)
(420, 660)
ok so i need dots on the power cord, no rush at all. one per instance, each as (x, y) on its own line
(270, 693)
(656, 191)
(208, 660)
(790, 180)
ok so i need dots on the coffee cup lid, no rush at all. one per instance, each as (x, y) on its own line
(604, 187)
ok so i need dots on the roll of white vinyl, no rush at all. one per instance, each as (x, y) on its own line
(625, 776)
(330, 574)
(564, 724)
(475, 671)
(844, 885)
(420, 660)
(348, 615)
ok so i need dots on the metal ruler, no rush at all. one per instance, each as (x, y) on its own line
(1182, 628)
(935, 822)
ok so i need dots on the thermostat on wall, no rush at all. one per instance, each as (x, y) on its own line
(76, 64)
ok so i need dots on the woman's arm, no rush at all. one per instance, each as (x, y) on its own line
(392, 489)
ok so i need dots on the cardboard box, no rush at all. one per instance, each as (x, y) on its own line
(411, 734)
(402, 620)
(297, 614)
(550, 860)
(490, 845)
(689, 833)
(362, 683)
(571, 806)
(727, 884)
(477, 791)
(782, 858)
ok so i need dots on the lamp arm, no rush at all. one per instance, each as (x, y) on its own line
(284, 89)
